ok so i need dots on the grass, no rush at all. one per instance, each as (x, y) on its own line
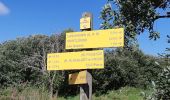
(26, 94)
(126, 93)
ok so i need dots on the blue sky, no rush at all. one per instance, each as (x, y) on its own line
(20, 18)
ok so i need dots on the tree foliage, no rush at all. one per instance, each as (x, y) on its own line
(161, 85)
(23, 63)
(135, 16)
(125, 68)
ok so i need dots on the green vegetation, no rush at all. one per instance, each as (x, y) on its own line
(136, 16)
(23, 64)
(161, 86)
(125, 93)
(27, 93)
(23, 72)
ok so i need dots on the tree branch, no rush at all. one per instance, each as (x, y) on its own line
(163, 16)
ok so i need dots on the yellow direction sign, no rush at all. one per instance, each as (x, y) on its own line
(85, 23)
(78, 78)
(76, 60)
(95, 39)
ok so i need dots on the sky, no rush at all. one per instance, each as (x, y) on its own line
(21, 18)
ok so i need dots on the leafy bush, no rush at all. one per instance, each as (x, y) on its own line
(125, 68)
(161, 87)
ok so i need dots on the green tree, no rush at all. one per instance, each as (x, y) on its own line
(135, 16)
(35, 49)
(23, 61)
(125, 68)
(10, 56)
(161, 85)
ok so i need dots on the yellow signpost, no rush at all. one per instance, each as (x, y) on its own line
(85, 59)
(95, 39)
(78, 78)
(85, 23)
(76, 60)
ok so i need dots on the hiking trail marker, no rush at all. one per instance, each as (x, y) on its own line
(83, 61)
(95, 39)
(76, 60)
(85, 23)
(78, 78)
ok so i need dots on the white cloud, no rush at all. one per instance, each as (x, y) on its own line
(3, 9)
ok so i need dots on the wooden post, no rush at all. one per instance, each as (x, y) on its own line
(86, 89)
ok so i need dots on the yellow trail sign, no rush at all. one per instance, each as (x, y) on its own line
(76, 60)
(78, 78)
(95, 39)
